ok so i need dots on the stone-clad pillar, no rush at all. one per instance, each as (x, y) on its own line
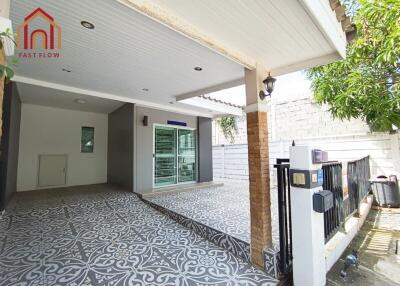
(258, 152)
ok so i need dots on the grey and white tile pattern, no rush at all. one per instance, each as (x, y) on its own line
(224, 208)
(222, 215)
(102, 236)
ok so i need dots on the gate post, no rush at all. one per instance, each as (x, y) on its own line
(307, 225)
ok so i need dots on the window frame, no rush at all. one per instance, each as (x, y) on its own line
(93, 138)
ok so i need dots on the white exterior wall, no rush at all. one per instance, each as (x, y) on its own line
(47, 130)
(230, 161)
(306, 122)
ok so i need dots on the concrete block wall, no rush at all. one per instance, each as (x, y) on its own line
(230, 161)
(304, 118)
(294, 119)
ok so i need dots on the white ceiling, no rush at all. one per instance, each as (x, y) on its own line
(282, 35)
(125, 53)
(32, 94)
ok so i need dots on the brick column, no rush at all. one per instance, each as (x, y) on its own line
(258, 156)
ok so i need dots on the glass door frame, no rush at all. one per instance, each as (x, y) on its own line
(155, 125)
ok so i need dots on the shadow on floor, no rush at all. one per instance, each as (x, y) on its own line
(376, 246)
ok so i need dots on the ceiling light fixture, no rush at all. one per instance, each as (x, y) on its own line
(198, 69)
(66, 70)
(87, 25)
(80, 101)
(145, 89)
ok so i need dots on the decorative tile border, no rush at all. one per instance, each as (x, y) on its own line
(271, 262)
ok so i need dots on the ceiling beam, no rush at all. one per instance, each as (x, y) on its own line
(210, 89)
(77, 90)
(177, 24)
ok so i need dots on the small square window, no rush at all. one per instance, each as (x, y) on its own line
(87, 140)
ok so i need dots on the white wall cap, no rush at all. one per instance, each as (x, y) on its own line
(301, 158)
(261, 107)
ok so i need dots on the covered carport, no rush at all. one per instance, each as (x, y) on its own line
(155, 54)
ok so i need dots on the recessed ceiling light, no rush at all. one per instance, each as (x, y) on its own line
(87, 25)
(145, 89)
(80, 101)
(198, 69)
(66, 70)
(171, 102)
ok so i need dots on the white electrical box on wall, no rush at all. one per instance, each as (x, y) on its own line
(9, 46)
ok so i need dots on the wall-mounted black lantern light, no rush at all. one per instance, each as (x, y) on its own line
(145, 120)
(269, 83)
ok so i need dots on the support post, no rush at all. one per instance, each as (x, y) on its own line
(5, 13)
(258, 157)
(2, 62)
(307, 225)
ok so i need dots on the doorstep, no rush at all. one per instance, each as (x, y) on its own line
(180, 188)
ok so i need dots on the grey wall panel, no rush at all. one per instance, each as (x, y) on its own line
(205, 149)
(120, 147)
(144, 142)
(10, 143)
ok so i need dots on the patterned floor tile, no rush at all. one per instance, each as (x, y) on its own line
(98, 235)
(225, 208)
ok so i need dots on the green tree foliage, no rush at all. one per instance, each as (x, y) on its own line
(228, 127)
(366, 84)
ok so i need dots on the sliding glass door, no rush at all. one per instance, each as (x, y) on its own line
(186, 156)
(174, 156)
(165, 156)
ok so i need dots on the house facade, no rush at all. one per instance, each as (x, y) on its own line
(110, 106)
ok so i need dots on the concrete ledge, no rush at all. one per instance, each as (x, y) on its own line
(234, 245)
(181, 188)
(339, 242)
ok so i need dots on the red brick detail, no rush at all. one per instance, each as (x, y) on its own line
(260, 206)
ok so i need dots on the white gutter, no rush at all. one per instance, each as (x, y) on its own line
(325, 20)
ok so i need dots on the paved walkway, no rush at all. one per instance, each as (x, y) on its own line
(226, 208)
(102, 236)
(376, 246)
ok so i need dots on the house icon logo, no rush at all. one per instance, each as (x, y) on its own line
(45, 39)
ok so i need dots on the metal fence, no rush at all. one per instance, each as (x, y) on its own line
(333, 182)
(358, 174)
(285, 221)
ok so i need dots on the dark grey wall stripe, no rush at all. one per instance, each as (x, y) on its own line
(9, 144)
(120, 147)
(205, 149)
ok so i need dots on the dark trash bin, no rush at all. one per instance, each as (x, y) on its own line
(386, 191)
